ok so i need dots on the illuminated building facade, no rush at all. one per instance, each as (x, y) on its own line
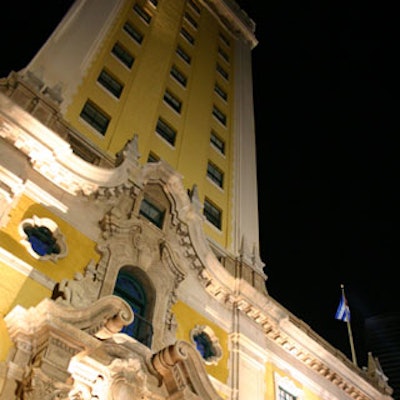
(129, 223)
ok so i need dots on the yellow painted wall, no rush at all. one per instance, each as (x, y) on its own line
(17, 288)
(270, 383)
(80, 249)
(309, 395)
(136, 110)
(141, 102)
(187, 319)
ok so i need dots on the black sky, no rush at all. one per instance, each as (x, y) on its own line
(325, 86)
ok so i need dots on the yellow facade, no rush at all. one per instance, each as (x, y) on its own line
(186, 317)
(20, 289)
(64, 268)
(141, 104)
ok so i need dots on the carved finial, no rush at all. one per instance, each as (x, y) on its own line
(130, 151)
(194, 198)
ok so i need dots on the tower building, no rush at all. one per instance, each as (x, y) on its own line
(129, 219)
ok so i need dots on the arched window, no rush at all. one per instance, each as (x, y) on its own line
(132, 291)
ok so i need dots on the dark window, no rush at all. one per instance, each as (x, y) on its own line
(195, 6)
(215, 174)
(212, 213)
(178, 75)
(166, 131)
(171, 100)
(223, 54)
(224, 39)
(142, 13)
(221, 92)
(110, 83)
(42, 241)
(152, 158)
(123, 55)
(204, 345)
(130, 289)
(191, 20)
(133, 32)
(187, 35)
(223, 73)
(153, 213)
(221, 117)
(284, 395)
(182, 53)
(217, 142)
(95, 117)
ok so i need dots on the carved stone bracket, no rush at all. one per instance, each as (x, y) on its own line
(48, 336)
(182, 370)
(65, 353)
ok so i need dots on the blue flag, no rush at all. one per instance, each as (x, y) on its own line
(343, 310)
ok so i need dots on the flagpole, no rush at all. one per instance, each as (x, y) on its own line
(353, 353)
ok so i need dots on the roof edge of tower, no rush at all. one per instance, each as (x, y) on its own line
(235, 19)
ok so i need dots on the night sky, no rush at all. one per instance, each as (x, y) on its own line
(325, 84)
(324, 87)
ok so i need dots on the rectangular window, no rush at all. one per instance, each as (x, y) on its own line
(221, 117)
(133, 32)
(224, 39)
(95, 117)
(221, 92)
(172, 101)
(153, 213)
(195, 6)
(223, 54)
(217, 142)
(110, 83)
(215, 174)
(222, 72)
(187, 35)
(182, 54)
(191, 20)
(166, 131)
(152, 158)
(142, 13)
(123, 55)
(212, 213)
(284, 395)
(178, 75)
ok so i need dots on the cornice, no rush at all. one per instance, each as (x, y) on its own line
(53, 158)
(299, 341)
(234, 18)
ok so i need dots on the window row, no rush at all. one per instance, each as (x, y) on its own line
(213, 214)
(156, 214)
(99, 119)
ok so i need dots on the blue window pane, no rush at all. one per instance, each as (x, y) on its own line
(128, 288)
(42, 240)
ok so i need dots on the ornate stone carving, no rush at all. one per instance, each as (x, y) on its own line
(81, 291)
(182, 370)
(54, 233)
(48, 336)
(58, 355)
